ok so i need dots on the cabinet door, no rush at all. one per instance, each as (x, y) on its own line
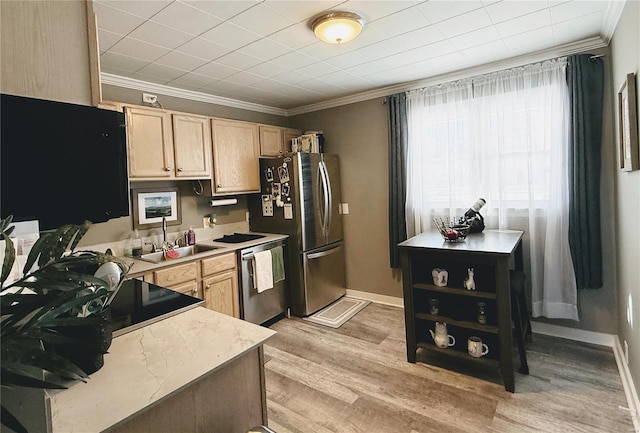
(189, 288)
(235, 156)
(290, 134)
(192, 146)
(271, 140)
(169, 277)
(220, 293)
(149, 143)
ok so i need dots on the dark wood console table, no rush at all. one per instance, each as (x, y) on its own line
(491, 254)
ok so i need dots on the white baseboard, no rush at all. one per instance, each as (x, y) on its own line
(627, 383)
(599, 338)
(374, 297)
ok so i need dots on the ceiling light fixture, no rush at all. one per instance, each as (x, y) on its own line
(337, 27)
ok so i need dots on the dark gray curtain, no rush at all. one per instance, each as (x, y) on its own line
(397, 105)
(585, 79)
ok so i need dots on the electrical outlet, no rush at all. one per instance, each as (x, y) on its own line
(345, 208)
(148, 98)
(626, 352)
(206, 222)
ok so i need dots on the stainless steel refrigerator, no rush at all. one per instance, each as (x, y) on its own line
(300, 196)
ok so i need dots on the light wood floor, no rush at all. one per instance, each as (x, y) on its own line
(357, 379)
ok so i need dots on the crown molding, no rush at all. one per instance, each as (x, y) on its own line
(131, 83)
(512, 62)
(611, 18)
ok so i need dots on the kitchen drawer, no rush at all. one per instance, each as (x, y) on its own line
(217, 264)
(176, 274)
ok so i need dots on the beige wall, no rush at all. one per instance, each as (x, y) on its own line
(45, 50)
(625, 53)
(358, 133)
(132, 96)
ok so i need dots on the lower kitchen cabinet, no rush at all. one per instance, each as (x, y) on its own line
(220, 284)
(177, 277)
(221, 293)
(189, 288)
(214, 279)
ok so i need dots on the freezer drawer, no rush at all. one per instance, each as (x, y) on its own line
(324, 277)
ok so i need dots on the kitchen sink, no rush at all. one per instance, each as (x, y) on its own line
(191, 250)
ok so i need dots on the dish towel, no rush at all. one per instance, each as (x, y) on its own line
(262, 271)
(277, 260)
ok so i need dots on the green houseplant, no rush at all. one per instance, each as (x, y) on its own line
(42, 311)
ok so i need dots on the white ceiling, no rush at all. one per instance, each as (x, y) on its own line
(265, 53)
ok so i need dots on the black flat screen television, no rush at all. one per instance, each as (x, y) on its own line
(61, 163)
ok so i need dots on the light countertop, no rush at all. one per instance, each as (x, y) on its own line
(140, 266)
(150, 364)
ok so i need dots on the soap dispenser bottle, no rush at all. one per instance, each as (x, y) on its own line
(191, 236)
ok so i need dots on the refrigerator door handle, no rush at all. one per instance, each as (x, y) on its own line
(324, 253)
(326, 184)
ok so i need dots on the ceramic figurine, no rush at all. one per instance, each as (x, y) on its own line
(440, 277)
(469, 282)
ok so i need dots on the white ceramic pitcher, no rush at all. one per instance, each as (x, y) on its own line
(441, 337)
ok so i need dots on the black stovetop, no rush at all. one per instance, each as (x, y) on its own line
(139, 303)
(237, 238)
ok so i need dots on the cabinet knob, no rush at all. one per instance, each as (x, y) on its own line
(207, 287)
(179, 169)
(167, 169)
(195, 292)
(219, 186)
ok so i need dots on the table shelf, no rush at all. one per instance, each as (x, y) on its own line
(460, 323)
(490, 254)
(452, 353)
(455, 291)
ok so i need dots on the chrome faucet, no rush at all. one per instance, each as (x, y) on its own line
(165, 244)
(164, 230)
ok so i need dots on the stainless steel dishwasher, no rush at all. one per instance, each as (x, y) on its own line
(257, 307)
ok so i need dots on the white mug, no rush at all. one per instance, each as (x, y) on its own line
(476, 347)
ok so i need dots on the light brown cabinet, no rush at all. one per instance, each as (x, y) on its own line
(192, 145)
(176, 277)
(214, 279)
(290, 134)
(275, 140)
(236, 151)
(149, 143)
(220, 284)
(163, 144)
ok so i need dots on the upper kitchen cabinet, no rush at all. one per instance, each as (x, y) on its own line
(236, 152)
(166, 145)
(275, 141)
(149, 143)
(290, 134)
(192, 145)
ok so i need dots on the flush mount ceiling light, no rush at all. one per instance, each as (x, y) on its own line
(337, 27)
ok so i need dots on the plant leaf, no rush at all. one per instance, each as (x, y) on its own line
(9, 259)
(11, 378)
(11, 421)
(40, 360)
